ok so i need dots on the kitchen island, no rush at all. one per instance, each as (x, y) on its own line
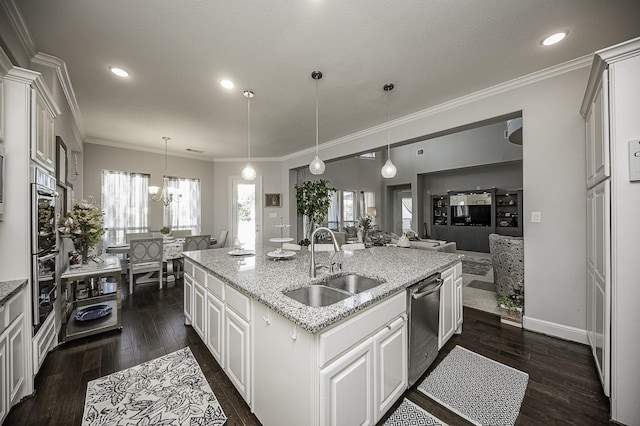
(295, 364)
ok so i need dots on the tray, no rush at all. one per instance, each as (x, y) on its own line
(241, 252)
(281, 254)
(92, 312)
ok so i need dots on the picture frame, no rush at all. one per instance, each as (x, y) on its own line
(272, 200)
(62, 162)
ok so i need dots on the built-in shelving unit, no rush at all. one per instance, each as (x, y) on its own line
(509, 213)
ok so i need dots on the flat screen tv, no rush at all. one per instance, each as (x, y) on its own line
(473, 215)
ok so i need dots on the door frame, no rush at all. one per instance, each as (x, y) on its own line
(233, 180)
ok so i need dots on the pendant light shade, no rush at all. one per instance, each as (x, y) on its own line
(316, 167)
(248, 173)
(162, 195)
(388, 170)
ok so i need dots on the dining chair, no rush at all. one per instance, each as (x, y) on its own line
(291, 246)
(196, 242)
(222, 241)
(181, 233)
(145, 257)
(137, 235)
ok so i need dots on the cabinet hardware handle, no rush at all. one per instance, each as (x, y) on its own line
(267, 320)
(294, 336)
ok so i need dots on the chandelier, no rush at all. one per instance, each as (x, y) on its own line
(163, 195)
(316, 166)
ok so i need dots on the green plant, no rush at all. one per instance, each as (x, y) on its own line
(305, 243)
(513, 300)
(83, 224)
(313, 199)
(365, 224)
(165, 230)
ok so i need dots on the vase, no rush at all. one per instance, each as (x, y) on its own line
(84, 253)
(511, 316)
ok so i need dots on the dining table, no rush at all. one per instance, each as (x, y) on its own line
(172, 249)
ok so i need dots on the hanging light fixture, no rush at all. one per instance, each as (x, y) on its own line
(388, 170)
(316, 167)
(248, 173)
(163, 195)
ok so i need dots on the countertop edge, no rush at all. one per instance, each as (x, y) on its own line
(9, 288)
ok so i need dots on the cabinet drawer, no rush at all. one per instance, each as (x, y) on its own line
(346, 334)
(215, 286)
(15, 306)
(238, 302)
(188, 267)
(199, 275)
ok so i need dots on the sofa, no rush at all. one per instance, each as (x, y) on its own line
(434, 245)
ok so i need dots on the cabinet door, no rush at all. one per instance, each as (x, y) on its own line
(188, 298)
(599, 278)
(237, 351)
(447, 308)
(2, 108)
(597, 132)
(16, 354)
(346, 388)
(199, 307)
(43, 138)
(4, 385)
(458, 304)
(391, 366)
(215, 327)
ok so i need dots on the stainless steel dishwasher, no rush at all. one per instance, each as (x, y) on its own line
(423, 301)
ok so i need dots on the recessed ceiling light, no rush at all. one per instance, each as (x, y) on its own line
(119, 71)
(554, 38)
(227, 84)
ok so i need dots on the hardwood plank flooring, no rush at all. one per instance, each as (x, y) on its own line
(563, 384)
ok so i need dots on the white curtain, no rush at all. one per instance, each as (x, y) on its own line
(125, 202)
(334, 211)
(184, 210)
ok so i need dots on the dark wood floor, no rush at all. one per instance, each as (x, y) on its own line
(563, 385)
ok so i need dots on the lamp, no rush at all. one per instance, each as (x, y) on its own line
(388, 170)
(371, 211)
(156, 194)
(316, 167)
(248, 173)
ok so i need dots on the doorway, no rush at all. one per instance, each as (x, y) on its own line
(401, 209)
(246, 212)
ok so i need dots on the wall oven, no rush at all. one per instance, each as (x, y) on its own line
(44, 249)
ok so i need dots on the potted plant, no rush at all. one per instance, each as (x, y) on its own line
(365, 225)
(165, 230)
(512, 307)
(84, 225)
(313, 199)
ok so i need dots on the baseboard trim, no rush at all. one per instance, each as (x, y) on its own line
(555, 330)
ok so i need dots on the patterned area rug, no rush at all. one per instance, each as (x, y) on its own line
(410, 414)
(476, 265)
(482, 285)
(481, 390)
(170, 390)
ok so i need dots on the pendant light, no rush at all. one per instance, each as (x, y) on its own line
(163, 195)
(248, 173)
(316, 167)
(388, 170)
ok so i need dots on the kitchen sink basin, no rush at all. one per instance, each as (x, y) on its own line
(352, 283)
(317, 295)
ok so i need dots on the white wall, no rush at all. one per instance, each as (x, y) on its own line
(553, 184)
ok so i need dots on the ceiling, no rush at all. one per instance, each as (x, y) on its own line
(177, 51)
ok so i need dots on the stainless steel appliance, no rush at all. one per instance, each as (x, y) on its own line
(44, 250)
(423, 302)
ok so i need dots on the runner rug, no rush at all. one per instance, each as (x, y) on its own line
(476, 265)
(410, 414)
(481, 390)
(168, 390)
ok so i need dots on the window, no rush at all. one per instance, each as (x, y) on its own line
(346, 210)
(184, 211)
(125, 202)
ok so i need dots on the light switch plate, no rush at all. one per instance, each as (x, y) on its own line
(634, 160)
(536, 217)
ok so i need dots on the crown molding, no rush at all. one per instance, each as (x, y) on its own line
(506, 86)
(5, 63)
(244, 160)
(25, 76)
(124, 145)
(65, 82)
(20, 26)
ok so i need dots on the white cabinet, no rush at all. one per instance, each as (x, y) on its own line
(188, 298)
(43, 139)
(2, 107)
(44, 341)
(13, 356)
(358, 365)
(199, 306)
(346, 388)
(215, 327)
(236, 352)
(597, 134)
(450, 304)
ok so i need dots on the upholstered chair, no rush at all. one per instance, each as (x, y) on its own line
(145, 256)
(507, 257)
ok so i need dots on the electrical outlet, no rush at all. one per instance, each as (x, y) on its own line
(536, 217)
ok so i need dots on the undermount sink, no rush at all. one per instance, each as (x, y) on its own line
(332, 290)
(317, 295)
(352, 283)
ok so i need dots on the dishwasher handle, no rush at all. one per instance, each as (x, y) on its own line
(432, 287)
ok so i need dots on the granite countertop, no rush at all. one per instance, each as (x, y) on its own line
(264, 279)
(9, 288)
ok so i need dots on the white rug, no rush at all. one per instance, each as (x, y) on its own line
(410, 414)
(481, 390)
(170, 390)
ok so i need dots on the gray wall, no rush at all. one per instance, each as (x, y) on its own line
(99, 157)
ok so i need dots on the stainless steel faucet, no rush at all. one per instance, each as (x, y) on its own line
(336, 247)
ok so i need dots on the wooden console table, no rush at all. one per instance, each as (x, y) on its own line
(98, 283)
